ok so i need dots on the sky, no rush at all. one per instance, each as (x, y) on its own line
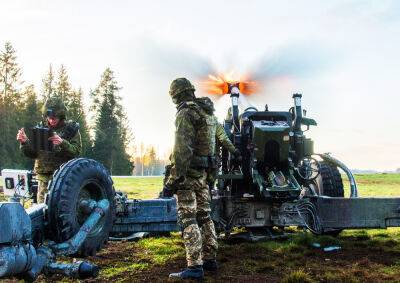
(343, 56)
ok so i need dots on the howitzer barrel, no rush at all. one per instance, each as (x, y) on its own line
(298, 133)
(234, 92)
(298, 112)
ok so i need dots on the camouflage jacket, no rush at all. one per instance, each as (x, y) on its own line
(196, 135)
(48, 161)
(223, 139)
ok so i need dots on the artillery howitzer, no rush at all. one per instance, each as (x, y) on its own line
(279, 182)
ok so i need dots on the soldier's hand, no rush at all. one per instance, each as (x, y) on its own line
(56, 139)
(167, 192)
(21, 136)
(174, 184)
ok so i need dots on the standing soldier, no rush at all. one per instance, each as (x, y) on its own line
(66, 141)
(193, 155)
(221, 139)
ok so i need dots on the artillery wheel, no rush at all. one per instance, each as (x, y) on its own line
(330, 181)
(330, 184)
(74, 181)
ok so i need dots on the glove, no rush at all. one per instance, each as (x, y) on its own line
(237, 155)
(167, 192)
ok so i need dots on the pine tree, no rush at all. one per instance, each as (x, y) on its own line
(10, 83)
(31, 115)
(10, 74)
(31, 107)
(63, 87)
(77, 113)
(48, 84)
(111, 131)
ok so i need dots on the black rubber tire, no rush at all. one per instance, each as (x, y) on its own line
(78, 179)
(332, 183)
(332, 186)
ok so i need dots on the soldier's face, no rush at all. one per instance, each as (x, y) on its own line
(53, 121)
(175, 100)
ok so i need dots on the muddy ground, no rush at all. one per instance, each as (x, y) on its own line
(365, 256)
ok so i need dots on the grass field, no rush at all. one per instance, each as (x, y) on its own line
(378, 185)
(143, 188)
(365, 255)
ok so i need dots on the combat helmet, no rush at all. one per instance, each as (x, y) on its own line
(180, 85)
(54, 107)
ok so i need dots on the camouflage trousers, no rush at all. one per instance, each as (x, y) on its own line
(43, 180)
(194, 209)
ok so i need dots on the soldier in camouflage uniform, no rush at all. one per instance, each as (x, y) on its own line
(221, 139)
(193, 155)
(66, 140)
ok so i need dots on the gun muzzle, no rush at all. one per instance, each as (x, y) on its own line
(297, 111)
(298, 133)
(234, 92)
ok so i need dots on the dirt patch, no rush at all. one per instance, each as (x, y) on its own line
(248, 262)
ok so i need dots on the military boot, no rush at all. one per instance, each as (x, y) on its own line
(210, 265)
(192, 272)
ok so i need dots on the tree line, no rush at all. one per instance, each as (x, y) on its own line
(105, 134)
(148, 163)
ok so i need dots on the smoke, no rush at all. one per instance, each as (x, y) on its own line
(168, 61)
(284, 70)
(151, 65)
(295, 61)
(148, 67)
